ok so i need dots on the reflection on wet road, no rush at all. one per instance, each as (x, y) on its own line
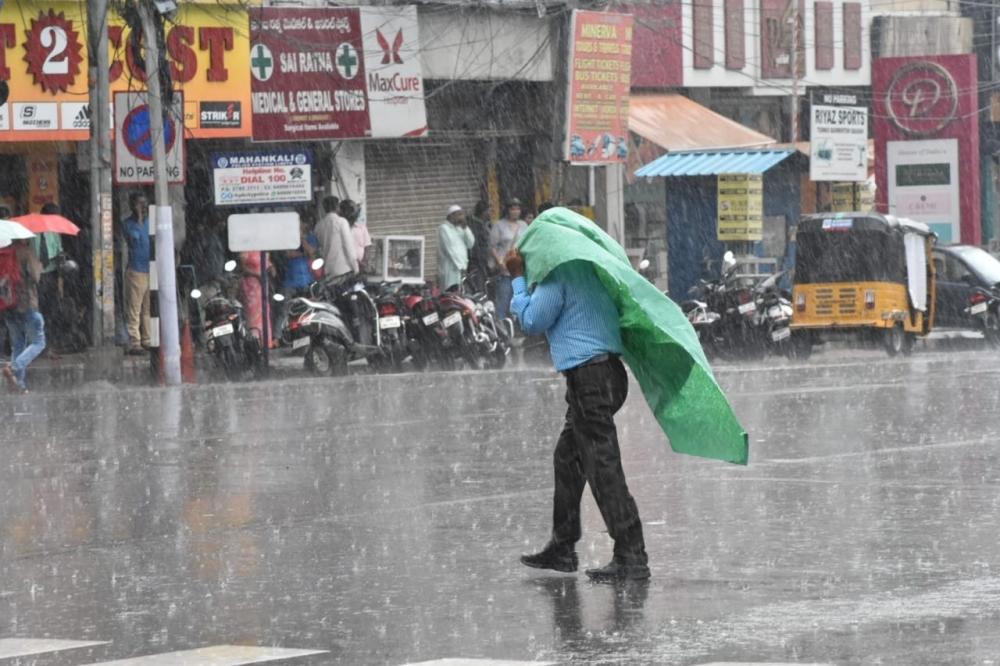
(380, 519)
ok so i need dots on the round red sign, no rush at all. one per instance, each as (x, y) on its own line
(922, 98)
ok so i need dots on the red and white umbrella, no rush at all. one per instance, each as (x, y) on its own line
(53, 224)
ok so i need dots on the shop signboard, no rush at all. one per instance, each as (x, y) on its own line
(600, 66)
(134, 139)
(740, 207)
(838, 139)
(926, 118)
(262, 177)
(338, 73)
(43, 57)
(924, 184)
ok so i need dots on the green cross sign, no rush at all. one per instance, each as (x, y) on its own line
(347, 61)
(262, 63)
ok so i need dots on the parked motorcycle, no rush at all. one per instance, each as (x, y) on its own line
(235, 348)
(774, 316)
(427, 338)
(391, 327)
(984, 308)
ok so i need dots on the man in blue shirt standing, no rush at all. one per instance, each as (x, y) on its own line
(580, 320)
(136, 232)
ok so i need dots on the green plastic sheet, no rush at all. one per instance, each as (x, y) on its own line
(661, 347)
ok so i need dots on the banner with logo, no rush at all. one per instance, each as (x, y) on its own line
(43, 58)
(926, 118)
(600, 71)
(244, 179)
(740, 207)
(838, 138)
(43, 179)
(335, 73)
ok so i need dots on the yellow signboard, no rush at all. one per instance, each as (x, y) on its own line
(43, 58)
(741, 207)
(849, 197)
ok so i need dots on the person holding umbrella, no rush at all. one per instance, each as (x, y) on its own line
(20, 272)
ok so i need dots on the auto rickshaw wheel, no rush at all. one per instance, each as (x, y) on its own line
(897, 341)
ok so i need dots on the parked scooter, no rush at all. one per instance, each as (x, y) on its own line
(235, 348)
(984, 308)
(774, 315)
(336, 324)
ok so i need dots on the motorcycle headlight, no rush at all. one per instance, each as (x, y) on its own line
(490, 307)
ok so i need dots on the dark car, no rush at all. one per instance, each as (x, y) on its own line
(967, 276)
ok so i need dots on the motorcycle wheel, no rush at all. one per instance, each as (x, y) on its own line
(325, 360)
(991, 331)
(230, 365)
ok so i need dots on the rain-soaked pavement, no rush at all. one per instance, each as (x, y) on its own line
(380, 519)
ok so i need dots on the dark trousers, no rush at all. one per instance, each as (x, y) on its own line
(587, 453)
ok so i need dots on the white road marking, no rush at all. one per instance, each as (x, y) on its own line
(23, 647)
(759, 663)
(216, 655)
(480, 662)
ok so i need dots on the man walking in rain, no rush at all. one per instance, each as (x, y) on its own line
(455, 239)
(580, 320)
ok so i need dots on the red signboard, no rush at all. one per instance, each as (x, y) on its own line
(657, 56)
(336, 73)
(924, 99)
(308, 78)
(599, 81)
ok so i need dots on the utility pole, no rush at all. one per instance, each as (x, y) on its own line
(794, 59)
(165, 268)
(101, 223)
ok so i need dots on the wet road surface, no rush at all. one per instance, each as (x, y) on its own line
(379, 519)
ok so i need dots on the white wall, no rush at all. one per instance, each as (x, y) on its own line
(750, 76)
(484, 45)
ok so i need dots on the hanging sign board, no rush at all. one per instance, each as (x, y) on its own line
(134, 139)
(264, 232)
(336, 73)
(266, 177)
(600, 77)
(838, 139)
(741, 207)
(43, 58)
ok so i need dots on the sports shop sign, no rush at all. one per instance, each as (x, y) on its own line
(43, 58)
(336, 73)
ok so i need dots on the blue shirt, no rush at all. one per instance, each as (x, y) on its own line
(137, 237)
(298, 273)
(575, 312)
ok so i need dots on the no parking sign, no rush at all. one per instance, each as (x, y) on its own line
(134, 139)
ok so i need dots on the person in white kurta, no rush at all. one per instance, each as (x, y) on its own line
(455, 239)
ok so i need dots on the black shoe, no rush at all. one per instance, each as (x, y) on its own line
(552, 557)
(618, 570)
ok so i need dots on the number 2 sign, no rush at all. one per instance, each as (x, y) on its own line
(53, 51)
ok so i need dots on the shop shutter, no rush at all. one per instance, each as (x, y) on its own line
(409, 186)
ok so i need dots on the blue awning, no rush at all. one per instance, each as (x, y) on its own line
(712, 163)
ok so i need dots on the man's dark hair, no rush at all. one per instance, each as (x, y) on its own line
(542, 207)
(50, 208)
(349, 210)
(481, 208)
(330, 204)
(134, 196)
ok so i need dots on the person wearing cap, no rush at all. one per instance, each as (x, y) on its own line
(503, 237)
(455, 239)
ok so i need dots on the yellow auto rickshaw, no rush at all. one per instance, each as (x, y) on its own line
(862, 273)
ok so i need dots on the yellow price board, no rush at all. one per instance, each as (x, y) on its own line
(740, 207)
